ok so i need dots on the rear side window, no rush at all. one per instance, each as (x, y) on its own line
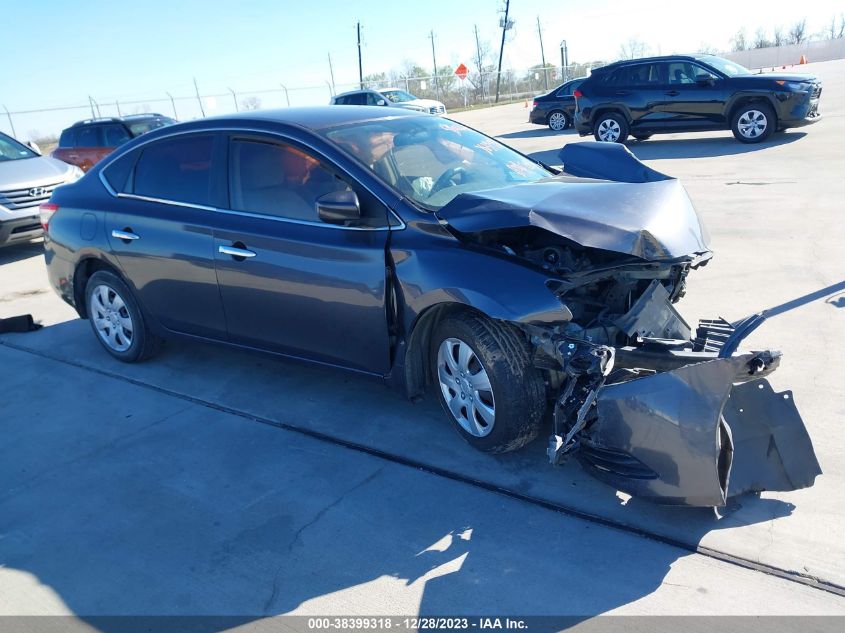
(636, 75)
(68, 138)
(88, 137)
(115, 135)
(117, 173)
(177, 169)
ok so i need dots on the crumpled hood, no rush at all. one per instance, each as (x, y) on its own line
(653, 220)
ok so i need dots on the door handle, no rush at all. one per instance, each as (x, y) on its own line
(673, 93)
(125, 235)
(235, 251)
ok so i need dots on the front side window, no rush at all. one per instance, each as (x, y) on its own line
(729, 68)
(398, 96)
(374, 98)
(432, 160)
(115, 135)
(88, 136)
(177, 169)
(271, 178)
(147, 125)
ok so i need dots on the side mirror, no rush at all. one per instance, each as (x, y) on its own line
(33, 146)
(381, 102)
(339, 207)
(705, 80)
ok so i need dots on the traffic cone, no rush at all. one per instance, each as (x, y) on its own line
(526, 104)
(803, 59)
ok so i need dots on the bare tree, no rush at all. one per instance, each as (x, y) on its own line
(739, 42)
(779, 38)
(251, 103)
(760, 39)
(798, 32)
(834, 31)
(707, 49)
(633, 49)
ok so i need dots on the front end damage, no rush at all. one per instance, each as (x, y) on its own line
(643, 402)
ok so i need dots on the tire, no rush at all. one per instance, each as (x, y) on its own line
(116, 319)
(642, 137)
(753, 122)
(558, 120)
(503, 413)
(610, 127)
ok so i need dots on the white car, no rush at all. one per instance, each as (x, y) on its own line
(389, 97)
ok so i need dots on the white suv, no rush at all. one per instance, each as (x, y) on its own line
(389, 97)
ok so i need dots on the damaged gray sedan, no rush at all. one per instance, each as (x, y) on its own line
(416, 250)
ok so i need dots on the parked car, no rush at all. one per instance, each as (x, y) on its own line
(26, 180)
(681, 93)
(86, 142)
(556, 108)
(389, 97)
(422, 253)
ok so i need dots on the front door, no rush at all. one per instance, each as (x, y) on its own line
(692, 102)
(290, 282)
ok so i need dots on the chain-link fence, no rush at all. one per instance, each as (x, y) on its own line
(479, 89)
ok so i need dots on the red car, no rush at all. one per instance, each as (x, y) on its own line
(86, 142)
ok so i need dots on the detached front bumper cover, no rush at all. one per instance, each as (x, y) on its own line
(679, 426)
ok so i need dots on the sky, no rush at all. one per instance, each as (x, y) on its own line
(58, 53)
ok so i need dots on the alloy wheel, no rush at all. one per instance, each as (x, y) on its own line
(111, 318)
(466, 387)
(557, 121)
(609, 130)
(752, 124)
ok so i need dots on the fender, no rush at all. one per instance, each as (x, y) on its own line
(748, 95)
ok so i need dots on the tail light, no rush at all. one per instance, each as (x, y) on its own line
(577, 93)
(534, 104)
(46, 211)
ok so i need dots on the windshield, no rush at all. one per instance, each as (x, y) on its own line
(731, 69)
(146, 125)
(431, 160)
(398, 96)
(10, 149)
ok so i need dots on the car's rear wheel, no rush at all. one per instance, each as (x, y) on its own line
(753, 123)
(611, 128)
(558, 120)
(116, 318)
(486, 382)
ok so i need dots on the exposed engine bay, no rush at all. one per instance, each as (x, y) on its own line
(643, 401)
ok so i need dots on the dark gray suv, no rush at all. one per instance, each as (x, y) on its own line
(682, 93)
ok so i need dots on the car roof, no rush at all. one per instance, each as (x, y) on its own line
(646, 60)
(355, 92)
(314, 117)
(120, 119)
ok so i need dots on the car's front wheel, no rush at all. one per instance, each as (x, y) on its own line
(558, 120)
(753, 123)
(116, 318)
(486, 382)
(611, 128)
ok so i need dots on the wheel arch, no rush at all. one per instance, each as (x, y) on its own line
(86, 267)
(741, 100)
(610, 109)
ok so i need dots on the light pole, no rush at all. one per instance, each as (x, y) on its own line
(564, 60)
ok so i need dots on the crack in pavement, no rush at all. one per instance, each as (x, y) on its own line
(323, 511)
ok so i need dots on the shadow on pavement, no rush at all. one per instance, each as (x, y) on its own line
(538, 133)
(164, 505)
(657, 148)
(18, 252)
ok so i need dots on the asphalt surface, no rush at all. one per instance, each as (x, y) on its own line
(209, 481)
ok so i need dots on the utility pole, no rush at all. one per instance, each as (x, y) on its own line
(234, 98)
(360, 67)
(479, 61)
(199, 100)
(505, 27)
(11, 125)
(564, 60)
(331, 72)
(542, 55)
(434, 60)
(172, 103)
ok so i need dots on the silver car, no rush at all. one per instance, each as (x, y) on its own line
(389, 97)
(26, 180)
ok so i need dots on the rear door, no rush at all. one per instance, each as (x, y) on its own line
(161, 230)
(302, 287)
(640, 88)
